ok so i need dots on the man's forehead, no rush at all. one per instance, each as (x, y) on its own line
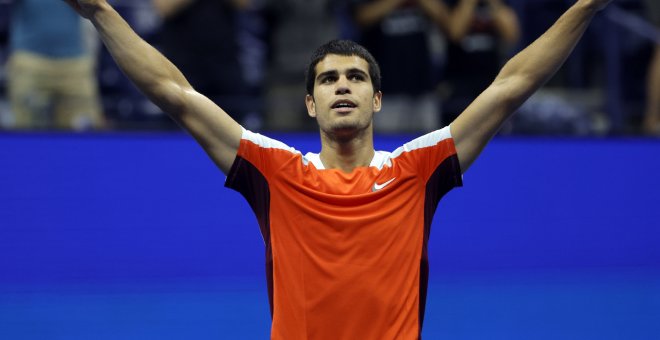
(341, 63)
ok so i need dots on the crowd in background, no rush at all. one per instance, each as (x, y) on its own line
(249, 56)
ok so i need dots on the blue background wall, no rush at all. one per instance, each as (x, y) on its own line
(134, 237)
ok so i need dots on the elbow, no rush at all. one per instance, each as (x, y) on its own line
(514, 89)
(169, 97)
(519, 74)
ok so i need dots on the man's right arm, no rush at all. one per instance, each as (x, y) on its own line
(164, 84)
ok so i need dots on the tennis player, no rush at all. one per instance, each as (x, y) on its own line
(345, 229)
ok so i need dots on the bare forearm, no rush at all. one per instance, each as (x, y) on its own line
(537, 63)
(147, 68)
(519, 78)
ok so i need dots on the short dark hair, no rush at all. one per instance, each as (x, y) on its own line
(343, 48)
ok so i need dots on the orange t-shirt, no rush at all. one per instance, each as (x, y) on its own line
(346, 253)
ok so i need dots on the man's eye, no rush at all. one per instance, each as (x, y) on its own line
(356, 77)
(327, 80)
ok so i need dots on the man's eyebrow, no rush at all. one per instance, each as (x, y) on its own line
(335, 73)
(327, 73)
(356, 70)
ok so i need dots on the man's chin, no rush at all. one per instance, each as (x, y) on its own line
(347, 130)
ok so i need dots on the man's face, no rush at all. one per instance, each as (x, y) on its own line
(344, 99)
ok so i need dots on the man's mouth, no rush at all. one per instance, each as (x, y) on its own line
(343, 106)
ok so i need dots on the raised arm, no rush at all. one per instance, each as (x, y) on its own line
(163, 83)
(519, 79)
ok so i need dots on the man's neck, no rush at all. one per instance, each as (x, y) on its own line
(347, 154)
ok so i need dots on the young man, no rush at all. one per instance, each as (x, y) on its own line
(345, 230)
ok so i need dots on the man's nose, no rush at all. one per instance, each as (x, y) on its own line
(342, 86)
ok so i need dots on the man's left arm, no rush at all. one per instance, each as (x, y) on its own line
(519, 79)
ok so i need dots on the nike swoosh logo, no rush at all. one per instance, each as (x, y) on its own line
(381, 186)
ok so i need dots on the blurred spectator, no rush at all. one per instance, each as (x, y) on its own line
(652, 114)
(6, 118)
(51, 79)
(201, 37)
(487, 31)
(397, 33)
(296, 28)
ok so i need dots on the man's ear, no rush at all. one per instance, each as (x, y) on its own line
(311, 106)
(378, 101)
